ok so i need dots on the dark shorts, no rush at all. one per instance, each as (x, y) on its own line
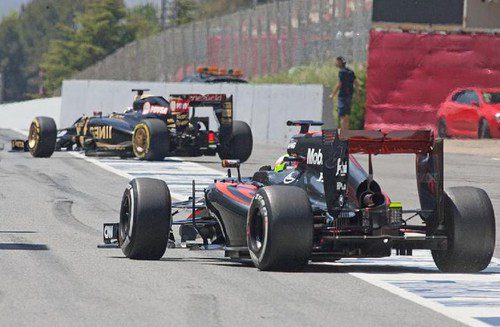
(344, 106)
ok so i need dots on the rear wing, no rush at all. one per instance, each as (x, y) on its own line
(377, 142)
(221, 103)
(202, 100)
(429, 165)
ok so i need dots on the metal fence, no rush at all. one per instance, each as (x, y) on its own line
(260, 41)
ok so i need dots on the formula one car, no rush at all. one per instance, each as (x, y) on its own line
(317, 204)
(151, 130)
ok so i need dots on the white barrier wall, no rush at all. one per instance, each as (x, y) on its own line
(19, 115)
(266, 108)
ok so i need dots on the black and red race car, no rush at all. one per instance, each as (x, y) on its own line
(317, 204)
(152, 129)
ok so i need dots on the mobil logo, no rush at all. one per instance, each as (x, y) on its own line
(314, 156)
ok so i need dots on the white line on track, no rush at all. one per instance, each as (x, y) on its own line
(177, 173)
(472, 299)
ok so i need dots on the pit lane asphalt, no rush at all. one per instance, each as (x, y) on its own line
(51, 273)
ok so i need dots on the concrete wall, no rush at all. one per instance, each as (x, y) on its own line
(266, 108)
(481, 14)
(20, 114)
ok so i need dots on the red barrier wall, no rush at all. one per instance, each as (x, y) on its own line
(410, 74)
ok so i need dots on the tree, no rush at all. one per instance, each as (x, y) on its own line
(142, 21)
(12, 59)
(215, 8)
(98, 31)
(40, 22)
(182, 12)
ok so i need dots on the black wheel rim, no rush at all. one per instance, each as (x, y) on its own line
(125, 216)
(256, 232)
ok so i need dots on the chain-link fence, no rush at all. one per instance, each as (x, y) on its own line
(260, 41)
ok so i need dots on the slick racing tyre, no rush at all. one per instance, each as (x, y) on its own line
(280, 228)
(240, 144)
(150, 140)
(42, 137)
(484, 130)
(145, 219)
(470, 228)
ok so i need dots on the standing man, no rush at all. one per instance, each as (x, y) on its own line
(345, 91)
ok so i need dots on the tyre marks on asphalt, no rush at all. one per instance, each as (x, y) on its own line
(473, 299)
(178, 174)
(62, 211)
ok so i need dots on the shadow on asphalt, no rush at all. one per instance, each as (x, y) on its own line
(23, 246)
(316, 268)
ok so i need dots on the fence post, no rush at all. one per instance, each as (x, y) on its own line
(278, 33)
(250, 44)
(240, 41)
(259, 45)
(290, 37)
(300, 32)
(269, 54)
(231, 23)
(1, 87)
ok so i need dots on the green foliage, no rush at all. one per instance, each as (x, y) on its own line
(61, 37)
(40, 22)
(326, 74)
(142, 21)
(183, 12)
(99, 30)
(357, 118)
(215, 8)
(12, 58)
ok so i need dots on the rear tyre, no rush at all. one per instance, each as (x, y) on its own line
(42, 137)
(240, 144)
(145, 219)
(151, 140)
(470, 227)
(280, 228)
(442, 132)
(484, 130)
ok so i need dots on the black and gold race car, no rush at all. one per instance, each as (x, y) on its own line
(152, 129)
(317, 204)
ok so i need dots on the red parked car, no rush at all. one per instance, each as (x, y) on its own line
(470, 112)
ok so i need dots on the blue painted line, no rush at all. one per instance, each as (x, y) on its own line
(492, 321)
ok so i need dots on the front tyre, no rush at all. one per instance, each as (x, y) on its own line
(42, 137)
(150, 140)
(280, 228)
(145, 219)
(470, 228)
(240, 144)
